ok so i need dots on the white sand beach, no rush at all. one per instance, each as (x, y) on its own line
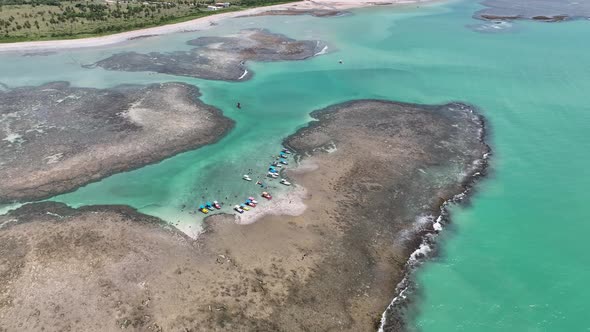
(202, 23)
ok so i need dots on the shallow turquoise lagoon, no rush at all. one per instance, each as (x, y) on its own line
(514, 258)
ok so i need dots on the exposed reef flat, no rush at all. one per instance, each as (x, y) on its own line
(538, 10)
(55, 137)
(217, 58)
(295, 12)
(379, 169)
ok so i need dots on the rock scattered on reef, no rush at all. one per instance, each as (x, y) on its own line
(217, 58)
(55, 137)
(538, 10)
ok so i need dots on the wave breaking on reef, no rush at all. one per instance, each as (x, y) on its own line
(427, 247)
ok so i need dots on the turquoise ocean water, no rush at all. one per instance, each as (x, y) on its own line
(514, 258)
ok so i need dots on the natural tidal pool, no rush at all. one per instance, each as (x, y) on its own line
(512, 259)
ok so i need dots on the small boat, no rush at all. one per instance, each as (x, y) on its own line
(203, 209)
(216, 205)
(238, 209)
(253, 200)
(246, 177)
(282, 155)
(209, 206)
(276, 164)
(250, 203)
(286, 151)
(284, 162)
(285, 182)
(244, 207)
(266, 195)
(272, 175)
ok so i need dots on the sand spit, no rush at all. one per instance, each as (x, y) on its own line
(538, 10)
(55, 138)
(217, 58)
(333, 267)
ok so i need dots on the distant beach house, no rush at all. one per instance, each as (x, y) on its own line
(214, 7)
(223, 4)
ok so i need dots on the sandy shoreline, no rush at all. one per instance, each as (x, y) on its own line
(202, 23)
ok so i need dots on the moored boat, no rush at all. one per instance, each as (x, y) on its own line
(216, 205)
(238, 209)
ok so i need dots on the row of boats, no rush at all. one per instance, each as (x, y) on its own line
(209, 207)
(273, 172)
(250, 203)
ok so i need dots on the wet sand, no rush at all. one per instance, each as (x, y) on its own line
(55, 137)
(378, 168)
(296, 12)
(217, 58)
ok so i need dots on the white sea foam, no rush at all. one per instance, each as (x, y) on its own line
(5, 208)
(243, 75)
(323, 51)
(13, 138)
(331, 148)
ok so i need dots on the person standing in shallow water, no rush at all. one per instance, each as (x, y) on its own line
(239, 106)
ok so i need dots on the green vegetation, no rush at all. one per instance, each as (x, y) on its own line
(24, 20)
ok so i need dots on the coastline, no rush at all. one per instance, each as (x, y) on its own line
(202, 23)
